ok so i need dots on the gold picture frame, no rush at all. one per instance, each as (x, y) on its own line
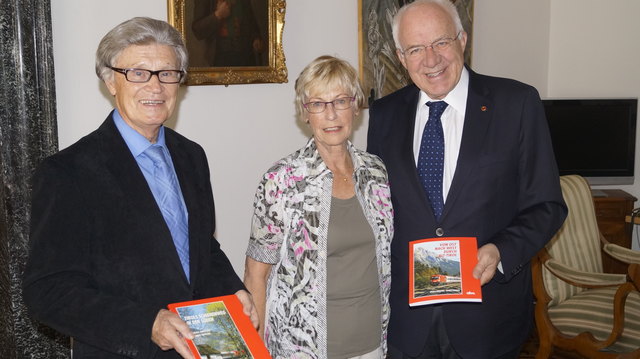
(381, 72)
(210, 62)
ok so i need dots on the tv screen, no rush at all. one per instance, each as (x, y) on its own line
(594, 138)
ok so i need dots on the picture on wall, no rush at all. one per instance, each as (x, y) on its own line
(231, 41)
(380, 69)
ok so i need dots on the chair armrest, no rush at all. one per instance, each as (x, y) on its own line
(584, 279)
(634, 274)
(622, 254)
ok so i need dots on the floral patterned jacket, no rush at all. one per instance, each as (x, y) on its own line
(289, 230)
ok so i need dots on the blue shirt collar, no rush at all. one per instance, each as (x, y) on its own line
(136, 142)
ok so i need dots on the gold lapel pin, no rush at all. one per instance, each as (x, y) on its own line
(483, 108)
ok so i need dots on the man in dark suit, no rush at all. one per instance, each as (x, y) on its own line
(496, 181)
(118, 233)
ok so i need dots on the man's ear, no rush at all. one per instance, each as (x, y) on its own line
(111, 86)
(463, 39)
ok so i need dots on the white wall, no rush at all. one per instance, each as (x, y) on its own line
(511, 39)
(562, 47)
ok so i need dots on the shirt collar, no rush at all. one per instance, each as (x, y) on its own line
(456, 98)
(136, 142)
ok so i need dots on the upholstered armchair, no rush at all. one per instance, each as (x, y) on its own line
(578, 307)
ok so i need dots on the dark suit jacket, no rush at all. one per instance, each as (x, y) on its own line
(505, 191)
(102, 262)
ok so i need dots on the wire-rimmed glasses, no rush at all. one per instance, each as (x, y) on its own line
(341, 103)
(438, 46)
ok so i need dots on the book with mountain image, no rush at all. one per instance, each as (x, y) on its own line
(221, 329)
(441, 270)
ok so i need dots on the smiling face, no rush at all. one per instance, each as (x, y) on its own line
(145, 106)
(434, 73)
(331, 128)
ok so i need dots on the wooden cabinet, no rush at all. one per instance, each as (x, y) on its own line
(612, 206)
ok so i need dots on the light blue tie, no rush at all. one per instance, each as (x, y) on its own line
(170, 204)
(431, 157)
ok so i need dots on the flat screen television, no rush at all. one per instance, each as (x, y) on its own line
(594, 138)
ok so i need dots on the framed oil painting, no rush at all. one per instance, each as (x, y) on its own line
(231, 41)
(380, 70)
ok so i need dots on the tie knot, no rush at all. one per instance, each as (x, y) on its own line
(436, 108)
(155, 153)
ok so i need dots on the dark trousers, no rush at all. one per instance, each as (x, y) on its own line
(437, 345)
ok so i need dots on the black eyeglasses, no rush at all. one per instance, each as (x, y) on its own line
(142, 75)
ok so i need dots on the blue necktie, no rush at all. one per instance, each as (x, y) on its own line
(431, 157)
(170, 204)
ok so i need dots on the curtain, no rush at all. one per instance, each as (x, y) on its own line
(27, 134)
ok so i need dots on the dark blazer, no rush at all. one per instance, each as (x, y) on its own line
(102, 262)
(505, 191)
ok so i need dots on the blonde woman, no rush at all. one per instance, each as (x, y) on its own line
(318, 260)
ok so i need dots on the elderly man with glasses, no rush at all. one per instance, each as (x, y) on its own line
(123, 220)
(468, 155)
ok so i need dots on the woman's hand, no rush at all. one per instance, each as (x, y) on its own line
(248, 307)
(255, 278)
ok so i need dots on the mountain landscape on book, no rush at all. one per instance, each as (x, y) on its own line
(434, 274)
(433, 260)
(216, 335)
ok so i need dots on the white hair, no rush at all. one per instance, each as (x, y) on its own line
(446, 5)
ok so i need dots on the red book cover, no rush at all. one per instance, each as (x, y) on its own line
(221, 329)
(441, 270)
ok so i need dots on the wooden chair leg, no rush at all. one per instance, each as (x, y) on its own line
(544, 350)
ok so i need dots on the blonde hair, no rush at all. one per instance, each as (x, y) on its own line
(326, 73)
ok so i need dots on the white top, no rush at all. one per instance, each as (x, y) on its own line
(452, 123)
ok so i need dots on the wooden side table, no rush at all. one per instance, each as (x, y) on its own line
(612, 207)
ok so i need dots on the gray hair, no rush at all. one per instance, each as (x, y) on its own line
(324, 74)
(138, 31)
(447, 5)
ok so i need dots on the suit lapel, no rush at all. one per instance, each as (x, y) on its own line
(405, 137)
(128, 177)
(477, 119)
(124, 170)
(403, 140)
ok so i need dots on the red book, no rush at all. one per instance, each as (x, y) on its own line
(441, 270)
(221, 329)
